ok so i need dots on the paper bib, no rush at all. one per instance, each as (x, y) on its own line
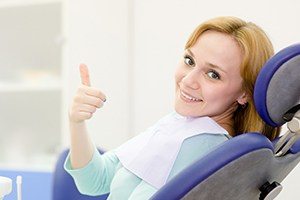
(151, 154)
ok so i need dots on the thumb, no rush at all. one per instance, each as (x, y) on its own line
(84, 75)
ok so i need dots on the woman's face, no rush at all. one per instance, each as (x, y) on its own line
(208, 80)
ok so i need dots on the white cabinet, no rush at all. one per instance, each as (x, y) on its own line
(31, 83)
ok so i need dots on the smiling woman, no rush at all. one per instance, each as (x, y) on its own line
(206, 89)
(221, 62)
(214, 101)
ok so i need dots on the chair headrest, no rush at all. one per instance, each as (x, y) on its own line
(277, 88)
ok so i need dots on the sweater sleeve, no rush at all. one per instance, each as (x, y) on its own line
(94, 178)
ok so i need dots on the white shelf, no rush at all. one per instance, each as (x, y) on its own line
(34, 87)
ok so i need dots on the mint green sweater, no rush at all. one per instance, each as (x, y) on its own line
(105, 174)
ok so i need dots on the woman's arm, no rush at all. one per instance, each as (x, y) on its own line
(85, 103)
(95, 177)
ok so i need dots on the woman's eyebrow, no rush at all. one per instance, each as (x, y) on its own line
(216, 67)
(207, 63)
(190, 52)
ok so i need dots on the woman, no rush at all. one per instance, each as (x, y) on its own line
(213, 101)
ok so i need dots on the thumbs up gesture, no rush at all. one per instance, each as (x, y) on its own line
(87, 99)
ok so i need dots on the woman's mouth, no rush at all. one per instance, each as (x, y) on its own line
(188, 98)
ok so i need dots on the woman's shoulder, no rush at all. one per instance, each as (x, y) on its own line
(203, 142)
(197, 146)
(194, 148)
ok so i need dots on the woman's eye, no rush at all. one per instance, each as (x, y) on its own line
(188, 61)
(213, 74)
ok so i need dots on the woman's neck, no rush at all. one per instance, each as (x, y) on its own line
(227, 124)
(226, 120)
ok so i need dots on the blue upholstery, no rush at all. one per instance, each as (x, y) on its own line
(64, 187)
(265, 76)
(295, 148)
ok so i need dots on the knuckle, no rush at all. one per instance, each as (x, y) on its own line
(99, 103)
(99, 93)
(82, 89)
(93, 110)
(89, 115)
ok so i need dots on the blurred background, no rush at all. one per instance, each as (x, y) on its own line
(131, 47)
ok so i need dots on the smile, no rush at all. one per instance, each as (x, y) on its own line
(188, 98)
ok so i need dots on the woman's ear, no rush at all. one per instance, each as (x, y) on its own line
(243, 99)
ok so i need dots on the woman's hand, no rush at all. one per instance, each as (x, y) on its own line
(87, 99)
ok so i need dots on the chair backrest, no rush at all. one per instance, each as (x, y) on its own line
(64, 187)
(236, 170)
(241, 166)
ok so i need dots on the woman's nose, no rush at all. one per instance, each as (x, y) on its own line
(191, 80)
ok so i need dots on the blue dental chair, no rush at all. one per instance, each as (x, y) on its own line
(250, 166)
(246, 167)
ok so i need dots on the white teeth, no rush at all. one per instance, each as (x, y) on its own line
(189, 97)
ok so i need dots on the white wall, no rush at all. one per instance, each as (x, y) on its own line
(133, 47)
(97, 34)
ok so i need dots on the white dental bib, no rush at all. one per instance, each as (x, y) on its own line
(151, 154)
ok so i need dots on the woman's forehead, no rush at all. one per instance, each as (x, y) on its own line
(218, 49)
